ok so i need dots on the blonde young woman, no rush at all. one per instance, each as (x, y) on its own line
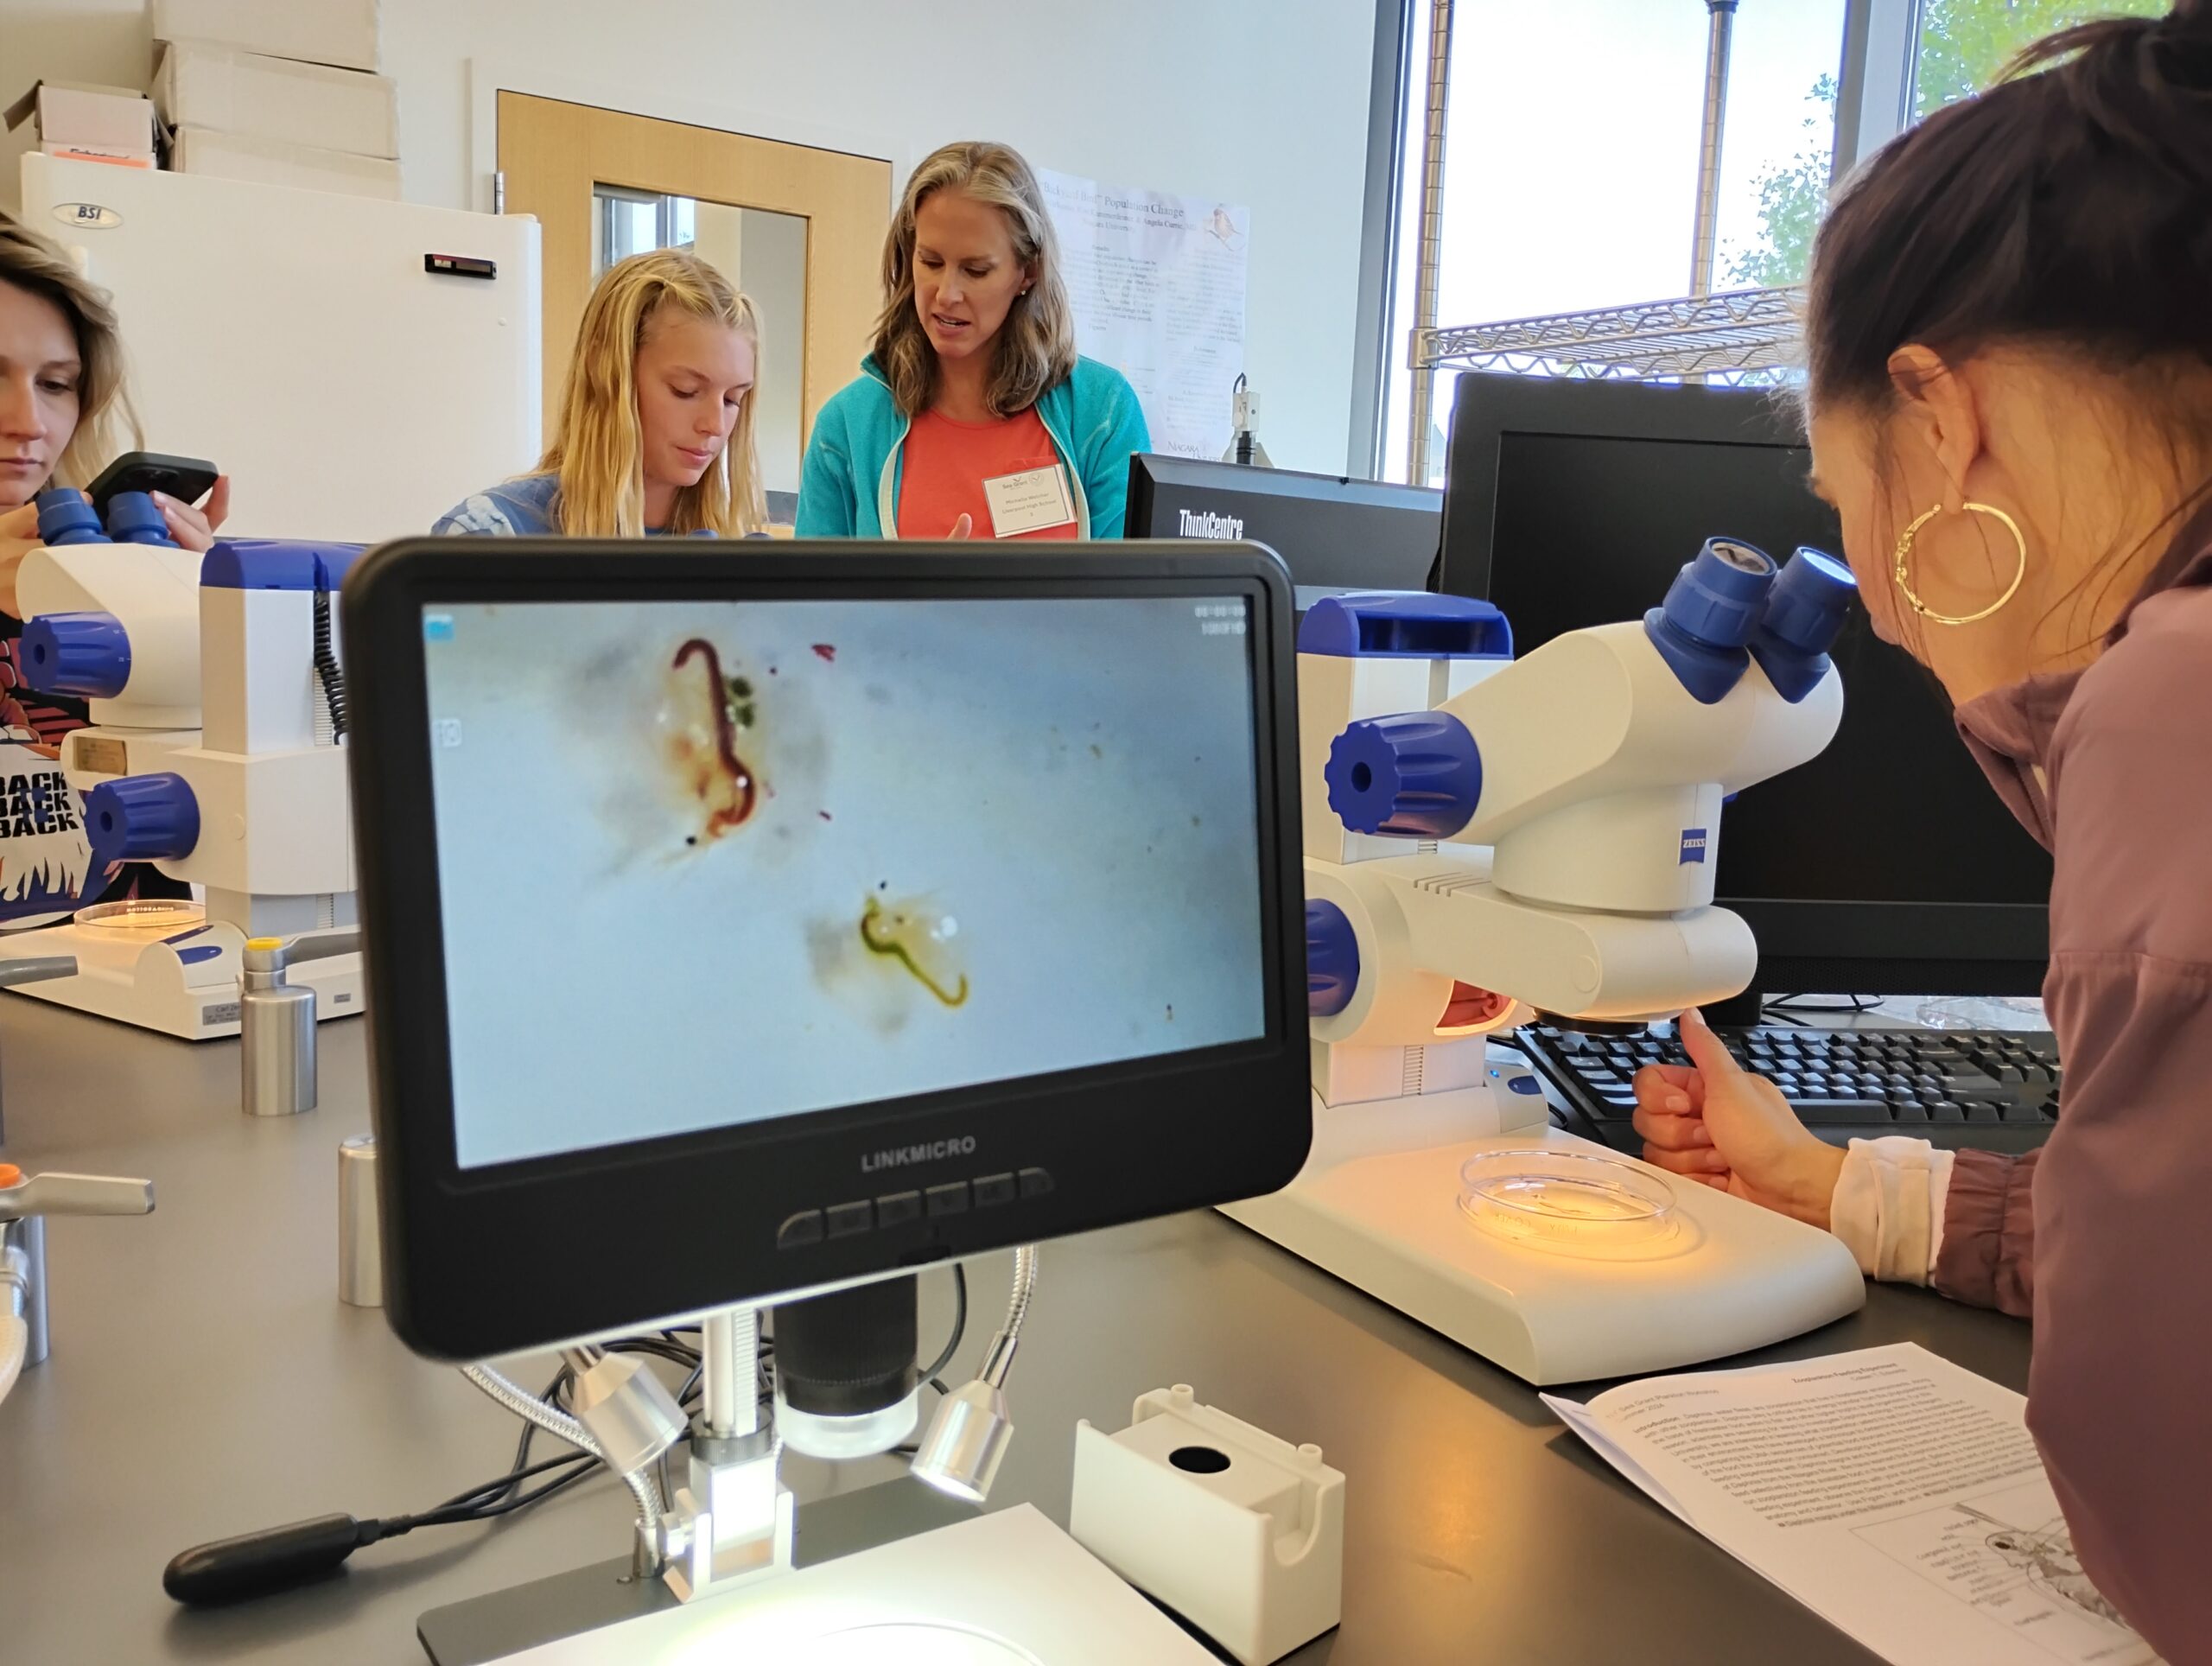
(655, 433)
(973, 415)
(64, 416)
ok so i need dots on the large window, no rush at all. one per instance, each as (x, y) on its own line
(1571, 159)
(1963, 46)
(1572, 150)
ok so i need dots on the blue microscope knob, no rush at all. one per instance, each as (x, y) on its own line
(141, 818)
(1331, 959)
(1417, 775)
(87, 655)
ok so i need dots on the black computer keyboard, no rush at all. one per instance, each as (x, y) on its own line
(1996, 1090)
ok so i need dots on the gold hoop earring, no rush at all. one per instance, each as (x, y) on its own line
(1904, 555)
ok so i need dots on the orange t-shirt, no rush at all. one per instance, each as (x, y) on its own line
(942, 471)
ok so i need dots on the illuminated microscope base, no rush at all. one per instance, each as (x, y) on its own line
(1552, 1298)
(1006, 1589)
(173, 986)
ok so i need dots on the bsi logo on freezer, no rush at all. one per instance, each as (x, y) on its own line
(87, 216)
(1694, 840)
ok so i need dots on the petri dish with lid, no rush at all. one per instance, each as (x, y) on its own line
(1570, 1203)
(147, 914)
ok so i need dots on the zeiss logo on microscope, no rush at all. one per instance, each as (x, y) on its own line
(1207, 524)
(902, 1156)
(1693, 843)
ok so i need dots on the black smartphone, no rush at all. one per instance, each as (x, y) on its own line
(186, 479)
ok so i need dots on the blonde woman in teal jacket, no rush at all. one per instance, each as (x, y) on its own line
(974, 380)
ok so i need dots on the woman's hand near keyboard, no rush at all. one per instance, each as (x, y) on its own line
(1713, 1121)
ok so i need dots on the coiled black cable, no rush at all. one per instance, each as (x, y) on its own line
(327, 668)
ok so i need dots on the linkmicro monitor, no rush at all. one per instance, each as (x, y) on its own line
(745, 919)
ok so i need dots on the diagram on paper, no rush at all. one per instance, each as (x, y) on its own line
(2008, 1555)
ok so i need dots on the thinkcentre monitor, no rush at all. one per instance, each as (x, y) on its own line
(1886, 865)
(1335, 534)
(744, 921)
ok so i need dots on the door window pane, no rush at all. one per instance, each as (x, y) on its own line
(763, 254)
(627, 223)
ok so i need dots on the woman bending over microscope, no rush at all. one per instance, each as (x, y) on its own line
(655, 433)
(2011, 406)
(64, 414)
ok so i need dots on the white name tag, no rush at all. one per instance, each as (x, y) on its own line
(1028, 501)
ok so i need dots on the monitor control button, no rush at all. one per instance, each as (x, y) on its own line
(943, 1200)
(1034, 1182)
(848, 1220)
(800, 1231)
(992, 1189)
(897, 1208)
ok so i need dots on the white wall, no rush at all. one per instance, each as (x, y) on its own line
(1261, 103)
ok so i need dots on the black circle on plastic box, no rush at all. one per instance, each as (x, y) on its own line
(1199, 1460)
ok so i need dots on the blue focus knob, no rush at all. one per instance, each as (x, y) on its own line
(1331, 959)
(66, 518)
(85, 654)
(134, 518)
(1418, 775)
(141, 818)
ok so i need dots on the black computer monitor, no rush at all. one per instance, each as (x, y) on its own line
(1884, 865)
(742, 921)
(1336, 535)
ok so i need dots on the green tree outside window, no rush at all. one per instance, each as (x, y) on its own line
(1964, 47)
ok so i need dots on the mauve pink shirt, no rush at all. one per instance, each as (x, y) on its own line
(2105, 1237)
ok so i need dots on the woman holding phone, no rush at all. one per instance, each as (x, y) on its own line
(64, 414)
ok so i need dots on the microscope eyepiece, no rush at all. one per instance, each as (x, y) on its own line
(1711, 611)
(1804, 614)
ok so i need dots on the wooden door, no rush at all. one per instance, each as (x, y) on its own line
(575, 166)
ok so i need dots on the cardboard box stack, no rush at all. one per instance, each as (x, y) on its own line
(87, 122)
(279, 90)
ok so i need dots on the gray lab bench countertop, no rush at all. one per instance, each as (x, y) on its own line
(206, 1380)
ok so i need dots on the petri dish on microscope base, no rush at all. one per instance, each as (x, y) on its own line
(1569, 1202)
(143, 915)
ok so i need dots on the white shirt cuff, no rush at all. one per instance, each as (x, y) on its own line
(1888, 1207)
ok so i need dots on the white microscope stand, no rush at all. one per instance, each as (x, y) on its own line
(167, 983)
(1377, 1205)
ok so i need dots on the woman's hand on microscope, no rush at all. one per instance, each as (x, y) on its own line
(1713, 1121)
(195, 529)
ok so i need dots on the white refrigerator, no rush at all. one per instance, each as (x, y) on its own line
(356, 366)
